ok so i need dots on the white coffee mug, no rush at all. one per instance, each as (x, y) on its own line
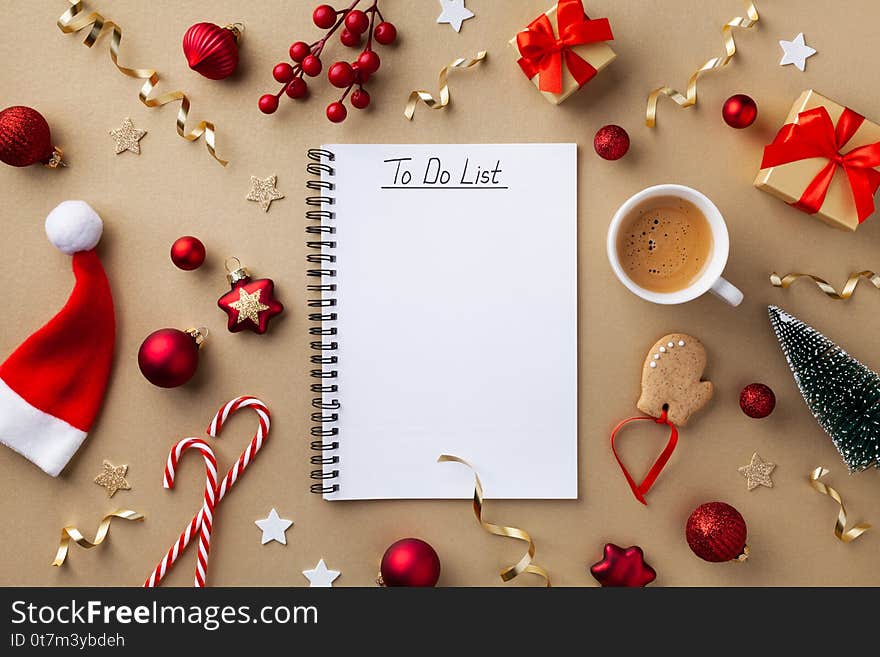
(710, 280)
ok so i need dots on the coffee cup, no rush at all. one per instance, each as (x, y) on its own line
(669, 244)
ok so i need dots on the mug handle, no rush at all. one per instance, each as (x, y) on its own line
(726, 291)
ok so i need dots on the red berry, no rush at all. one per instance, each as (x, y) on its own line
(340, 74)
(282, 72)
(360, 98)
(297, 88)
(324, 16)
(299, 50)
(336, 112)
(385, 33)
(268, 103)
(360, 76)
(311, 65)
(368, 61)
(349, 38)
(357, 21)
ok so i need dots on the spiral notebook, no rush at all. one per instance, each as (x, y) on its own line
(443, 319)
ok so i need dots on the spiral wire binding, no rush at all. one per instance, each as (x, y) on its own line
(321, 266)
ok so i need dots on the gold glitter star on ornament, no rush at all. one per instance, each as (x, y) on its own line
(128, 137)
(263, 191)
(248, 306)
(757, 473)
(113, 478)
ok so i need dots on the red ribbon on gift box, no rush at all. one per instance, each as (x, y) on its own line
(542, 52)
(815, 135)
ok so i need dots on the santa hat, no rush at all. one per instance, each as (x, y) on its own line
(52, 386)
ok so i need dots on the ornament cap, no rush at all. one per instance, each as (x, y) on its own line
(744, 556)
(237, 29)
(56, 159)
(199, 334)
(237, 272)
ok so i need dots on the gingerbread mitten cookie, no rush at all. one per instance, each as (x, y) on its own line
(671, 377)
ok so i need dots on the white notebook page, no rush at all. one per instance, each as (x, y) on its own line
(457, 319)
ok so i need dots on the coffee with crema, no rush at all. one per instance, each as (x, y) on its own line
(664, 244)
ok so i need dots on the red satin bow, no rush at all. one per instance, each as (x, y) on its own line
(814, 135)
(542, 52)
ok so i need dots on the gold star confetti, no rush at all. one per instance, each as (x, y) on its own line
(128, 137)
(113, 478)
(263, 191)
(248, 306)
(757, 473)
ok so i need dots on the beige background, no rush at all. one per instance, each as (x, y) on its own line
(175, 188)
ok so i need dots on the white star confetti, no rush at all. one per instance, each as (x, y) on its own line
(321, 576)
(455, 13)
(796, 52)
(273, 528)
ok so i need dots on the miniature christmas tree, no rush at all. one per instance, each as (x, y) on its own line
(843, 394)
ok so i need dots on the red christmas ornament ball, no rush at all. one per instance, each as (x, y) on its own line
(716, 532)
(268, 103)
(385, 33)
(336, 112)
(188, 253)
(611, 142)
(25, 137)
(739, 111)
(211, 50)
(360, 98)
(168, 357)
(757, 400)
(410, 562)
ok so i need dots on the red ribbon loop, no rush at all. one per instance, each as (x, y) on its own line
(640, 490)
(815, 135)
(542, 52)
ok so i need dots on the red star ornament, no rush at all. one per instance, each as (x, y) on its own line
(250, 303)
(623, 567)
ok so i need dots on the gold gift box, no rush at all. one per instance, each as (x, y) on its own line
(788, 181)
(598, 55)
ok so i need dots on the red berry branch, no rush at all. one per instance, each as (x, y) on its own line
(344, 75)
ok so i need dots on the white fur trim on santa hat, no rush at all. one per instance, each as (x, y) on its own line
(38, 436)
(74, 226)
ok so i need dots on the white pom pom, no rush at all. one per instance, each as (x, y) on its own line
(74, 226)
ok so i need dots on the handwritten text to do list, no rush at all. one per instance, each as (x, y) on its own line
(433, 173)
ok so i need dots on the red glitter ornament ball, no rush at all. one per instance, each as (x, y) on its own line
(25, 138)
(169, 357)
(188, 253)
(211, 50)
(410, 562)
(611, 142)
(739, 111)
(757, 400)
(623, 567)
(717, 532)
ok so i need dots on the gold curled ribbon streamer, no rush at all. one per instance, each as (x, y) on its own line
(427, 98)
(743, 22)
(823, 285)
(69, 532)
(525, 564)
(75, 19)
(844, 536)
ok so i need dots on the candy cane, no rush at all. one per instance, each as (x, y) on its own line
(207, 511)
(231, 477)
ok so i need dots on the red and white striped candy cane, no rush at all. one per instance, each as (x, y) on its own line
(231, 477)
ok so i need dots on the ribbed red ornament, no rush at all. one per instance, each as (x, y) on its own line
(717, 532)
(212, 50)
(25, 138)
